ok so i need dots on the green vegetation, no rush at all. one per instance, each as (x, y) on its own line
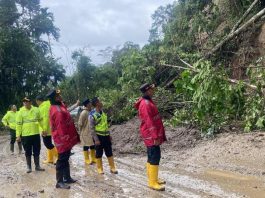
(201, 76)
(26, 63)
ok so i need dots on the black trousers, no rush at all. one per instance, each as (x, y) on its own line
(31, 143)
(47, 140)
(105, 144)
(86, 148)
(63, 161)
(12, 133)
(153, 155)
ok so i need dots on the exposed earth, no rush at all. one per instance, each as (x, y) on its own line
(229, 165)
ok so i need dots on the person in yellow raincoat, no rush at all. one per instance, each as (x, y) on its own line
(44, 107)
(28, 131)
(9, 120)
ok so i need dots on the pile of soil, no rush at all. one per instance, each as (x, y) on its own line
(127, 140)
(182, 138)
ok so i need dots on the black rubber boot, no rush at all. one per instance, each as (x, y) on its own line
(12, 148)
(66, 176)
(19, 147)
(37, 164)
(59, 178)
(28, 159)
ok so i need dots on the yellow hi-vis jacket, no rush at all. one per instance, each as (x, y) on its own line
(10, 119)
(28, 122)
(45, 118)
(101, 123)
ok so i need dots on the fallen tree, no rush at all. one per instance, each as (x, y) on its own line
(193, 69)
(234, 32)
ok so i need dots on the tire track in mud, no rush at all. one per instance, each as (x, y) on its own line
(136, 176)
(181, 184)
(3, 145)
(133, 181)
(130, 182)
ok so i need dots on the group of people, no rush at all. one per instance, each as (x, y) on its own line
(52, 121)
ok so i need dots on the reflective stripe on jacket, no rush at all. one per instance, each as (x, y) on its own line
(27, 122)
(44, 114)
(10, 119)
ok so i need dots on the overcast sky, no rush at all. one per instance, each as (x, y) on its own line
(96, 24)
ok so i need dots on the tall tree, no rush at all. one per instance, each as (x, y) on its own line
(26, 64)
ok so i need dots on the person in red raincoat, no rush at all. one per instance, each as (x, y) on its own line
(64, 135)
(153, 134)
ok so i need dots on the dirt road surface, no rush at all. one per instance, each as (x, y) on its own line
(230, 165)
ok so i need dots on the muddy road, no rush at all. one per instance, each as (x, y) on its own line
(230, 165)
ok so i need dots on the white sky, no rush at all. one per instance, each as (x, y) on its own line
(97, 24)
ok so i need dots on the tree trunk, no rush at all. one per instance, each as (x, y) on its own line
(235, 33)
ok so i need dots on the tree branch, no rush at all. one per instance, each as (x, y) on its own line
(254, 87)
(245, 15)
(252, 67)
(171, 82)
(175, 66)
(235, 33)
(185, 63)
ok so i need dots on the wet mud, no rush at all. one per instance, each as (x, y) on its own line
(231, 165)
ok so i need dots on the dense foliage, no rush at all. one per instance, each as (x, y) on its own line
(26, 63)
(182, 32)
(196, 86)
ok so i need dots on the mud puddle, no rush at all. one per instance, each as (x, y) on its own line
(248, 186)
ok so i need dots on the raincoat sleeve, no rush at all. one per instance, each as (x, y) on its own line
(39, 118)
(82, 121)
(5, 119)
(147, 115)
(19, 123)
(71, 108)
(92, 128)
(44, 119)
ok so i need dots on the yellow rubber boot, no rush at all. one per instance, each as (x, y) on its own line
(99, 166)
(49, 157)
(159, 181)
(86, 156)
(93, 155)
(153, 176)
(112, 166)
(147, 172)
(55, 155)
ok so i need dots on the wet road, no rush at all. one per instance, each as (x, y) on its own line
(130, 182)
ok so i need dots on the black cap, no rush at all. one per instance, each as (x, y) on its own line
(40, 98)
(94, 101)
(52, 93)
(86, 101)
(26, 99)
(146, 86)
